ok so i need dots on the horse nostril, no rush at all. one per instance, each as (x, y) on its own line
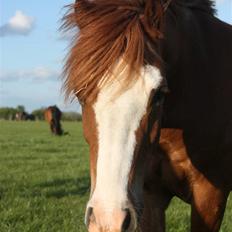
(127, 221)
(88, 215)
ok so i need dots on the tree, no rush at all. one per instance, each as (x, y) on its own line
(71, 116)
(20, 108)
(7, 113)
(39, 113)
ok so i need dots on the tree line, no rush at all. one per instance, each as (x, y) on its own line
(9, 113)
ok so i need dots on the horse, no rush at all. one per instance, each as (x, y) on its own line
(24, 116)
(20, 116)
(139, 66)
(30, 117)
(53, 115)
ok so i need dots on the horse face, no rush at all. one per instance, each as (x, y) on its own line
(120, 129)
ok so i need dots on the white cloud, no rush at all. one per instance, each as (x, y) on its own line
(35, 74)
(19, 24)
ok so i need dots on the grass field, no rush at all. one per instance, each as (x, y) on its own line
(44, 181)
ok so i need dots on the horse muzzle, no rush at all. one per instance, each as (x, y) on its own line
(98, 219)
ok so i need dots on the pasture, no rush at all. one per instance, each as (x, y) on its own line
(44, 181)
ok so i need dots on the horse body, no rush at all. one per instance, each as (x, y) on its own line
(171, 172)
(53, 116)
(194, 162)
(200, 91)
(194, 157)
(200, 83)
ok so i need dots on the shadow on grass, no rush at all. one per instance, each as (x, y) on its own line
(59, 188)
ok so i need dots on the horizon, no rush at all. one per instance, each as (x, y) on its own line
(33, 52)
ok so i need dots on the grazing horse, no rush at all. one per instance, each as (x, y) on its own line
(53, 116)
(30, 117)
(125, 56)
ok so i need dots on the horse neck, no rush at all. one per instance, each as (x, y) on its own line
(194, 36)
(194, 71)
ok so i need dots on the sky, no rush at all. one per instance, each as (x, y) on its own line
(32, 52)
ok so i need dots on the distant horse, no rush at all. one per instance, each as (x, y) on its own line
(30, 117)
(125, 56)
(23, 116)
(20, 116)
(53, 116)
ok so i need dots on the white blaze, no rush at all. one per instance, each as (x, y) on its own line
(118, 119)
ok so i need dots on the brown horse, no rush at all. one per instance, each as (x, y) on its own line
(53, 116)
(125, 54)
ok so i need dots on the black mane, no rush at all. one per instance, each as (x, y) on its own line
(207, 6)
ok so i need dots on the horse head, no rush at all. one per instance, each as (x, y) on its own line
(114, 70)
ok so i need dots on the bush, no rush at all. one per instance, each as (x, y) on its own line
(8, 113)
(20, 108)
(39, 113)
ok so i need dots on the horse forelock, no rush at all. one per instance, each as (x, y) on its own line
(109, 31)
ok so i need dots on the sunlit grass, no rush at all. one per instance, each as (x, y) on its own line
(44, 181)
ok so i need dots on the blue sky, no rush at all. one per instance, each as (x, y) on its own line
(32, 52)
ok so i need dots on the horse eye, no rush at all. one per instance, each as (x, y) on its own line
(158, 97)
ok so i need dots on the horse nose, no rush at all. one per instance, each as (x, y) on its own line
(88, 215)
(118, 220)
(127, 221)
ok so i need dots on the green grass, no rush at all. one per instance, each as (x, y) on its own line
(44, 181)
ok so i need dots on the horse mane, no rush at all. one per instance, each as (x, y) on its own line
(109, 31)
(208, 6)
